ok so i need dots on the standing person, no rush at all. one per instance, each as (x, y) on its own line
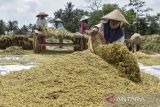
(41, 20)
(41, 23)
(84, 24)
(112, 29)
(58, 23)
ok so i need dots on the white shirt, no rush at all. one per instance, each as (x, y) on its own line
(41, 22)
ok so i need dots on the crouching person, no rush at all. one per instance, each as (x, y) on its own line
(135, 41)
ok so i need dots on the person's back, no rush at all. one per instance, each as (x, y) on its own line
(135, 41)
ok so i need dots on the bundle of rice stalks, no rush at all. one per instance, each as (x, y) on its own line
(122, 59)
(63, 33)
(58, 33)
(7, 41)
(27, 44)
(17, 40)
(151, 43)
(13, 50)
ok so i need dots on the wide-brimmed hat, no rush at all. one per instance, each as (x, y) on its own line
(58, 20)
(84, 17)
(137, 38)
(116, 15)
(42, 14)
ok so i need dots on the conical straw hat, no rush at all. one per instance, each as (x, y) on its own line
(42, 14)
(84, 18)
(58, 20)
(115, 15)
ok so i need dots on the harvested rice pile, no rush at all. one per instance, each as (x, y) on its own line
(13, 50)
(122, 59)
(151, 43)
(81, 79)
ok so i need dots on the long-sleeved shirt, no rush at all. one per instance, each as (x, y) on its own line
(41, 22)
(118, 32)
(83, 26)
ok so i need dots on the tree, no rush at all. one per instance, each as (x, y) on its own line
(136, 15)
(12, 26)
(109, 7)
(58, 14)
(96, 15)
(23, 30)
(2, 27)
(138, 7)
(154, 26)
(70, 17)
(95, 5)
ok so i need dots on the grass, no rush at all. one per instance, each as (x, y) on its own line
(80, 79)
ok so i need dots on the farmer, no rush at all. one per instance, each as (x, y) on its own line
(95, 38)
(84, 24)
(58, 23)
(40, 24)
(41, 20)
(135, 42)
(111, 29)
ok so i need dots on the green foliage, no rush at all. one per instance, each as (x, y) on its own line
(109, 7)
(12, 26)
(2, 27)
(70, 17)
(95, 17)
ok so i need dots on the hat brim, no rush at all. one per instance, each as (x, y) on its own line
(115, 15)
(45, 15)
(107, 18)
(84, 19)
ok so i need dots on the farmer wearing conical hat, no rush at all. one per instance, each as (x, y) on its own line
(41, 23)
(41, 20)
(84, 24)
(58, 23)
(112, 29)
(108, 31)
